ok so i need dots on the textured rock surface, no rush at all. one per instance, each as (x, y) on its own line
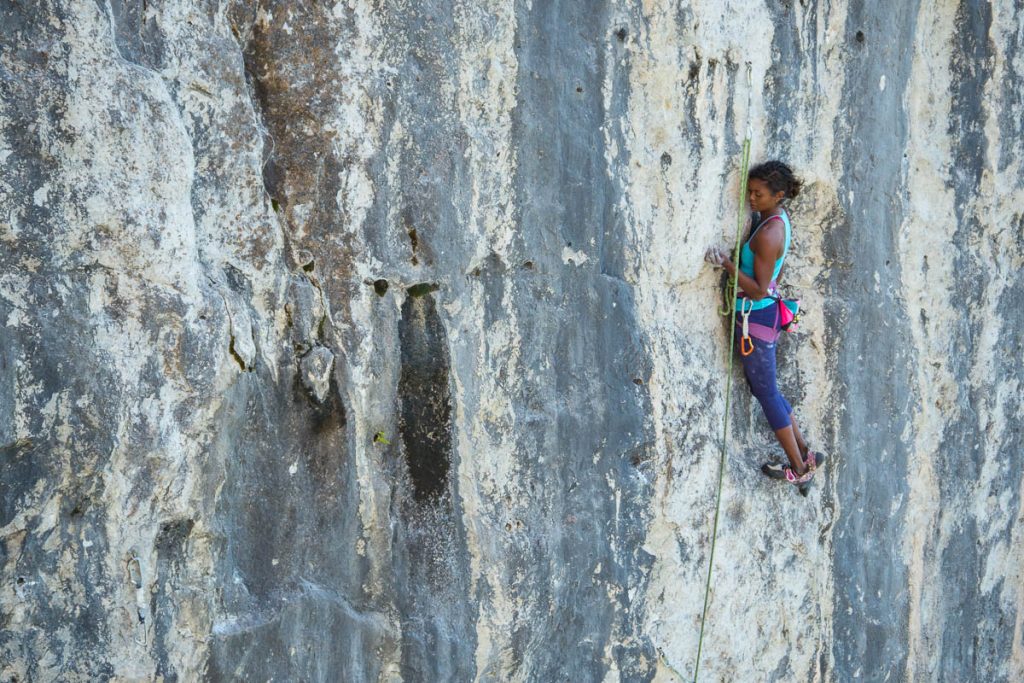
(372, 341)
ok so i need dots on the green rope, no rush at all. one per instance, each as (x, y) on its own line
(731, 291)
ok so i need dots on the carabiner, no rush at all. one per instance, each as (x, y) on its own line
(746, 343)
(746, 346)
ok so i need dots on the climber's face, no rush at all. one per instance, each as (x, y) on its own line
(762, 198)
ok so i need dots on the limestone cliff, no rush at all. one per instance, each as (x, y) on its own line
(372, 341)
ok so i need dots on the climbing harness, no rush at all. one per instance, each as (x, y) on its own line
(789, 313)
(732, 290)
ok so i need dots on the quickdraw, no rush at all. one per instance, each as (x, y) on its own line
(746, 343)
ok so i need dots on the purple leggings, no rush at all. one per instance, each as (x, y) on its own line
(759, 368)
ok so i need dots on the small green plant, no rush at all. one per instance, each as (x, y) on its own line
(380, 438)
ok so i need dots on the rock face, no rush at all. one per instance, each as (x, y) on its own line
(373, 341)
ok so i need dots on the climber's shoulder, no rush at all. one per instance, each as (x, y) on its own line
(771, 234)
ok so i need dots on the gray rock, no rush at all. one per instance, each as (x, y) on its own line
(316, 367)
(476, 229)
(306, 314)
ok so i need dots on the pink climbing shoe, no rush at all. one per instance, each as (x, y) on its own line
(812, 461)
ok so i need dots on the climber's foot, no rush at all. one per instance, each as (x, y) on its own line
(780, 471)
(812, 461)
(774, 470)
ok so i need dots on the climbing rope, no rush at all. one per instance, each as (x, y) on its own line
(731, 293)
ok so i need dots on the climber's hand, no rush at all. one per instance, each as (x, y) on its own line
(715, 256)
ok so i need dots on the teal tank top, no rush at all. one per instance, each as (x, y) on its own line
(747, 261)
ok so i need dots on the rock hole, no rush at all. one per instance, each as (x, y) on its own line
(309, 266)
(380, 286)
(860, 36)
(20, 581)
(172, 536)
(666, 160)
(528, 265)
(422, 289)
(621, 35)
(579, 88)
(425, 397)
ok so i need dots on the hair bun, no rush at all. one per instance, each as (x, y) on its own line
(778, 176)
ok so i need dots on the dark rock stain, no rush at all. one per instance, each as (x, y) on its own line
(425, 397)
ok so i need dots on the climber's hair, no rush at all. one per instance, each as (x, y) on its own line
(778, 177)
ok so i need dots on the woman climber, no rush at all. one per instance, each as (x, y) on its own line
(768, 186)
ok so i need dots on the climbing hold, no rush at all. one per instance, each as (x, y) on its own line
(316, 369)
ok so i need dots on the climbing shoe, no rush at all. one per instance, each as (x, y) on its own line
(774, 470)
(799, 479)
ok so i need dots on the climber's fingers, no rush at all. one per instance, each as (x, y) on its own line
(715, 256)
